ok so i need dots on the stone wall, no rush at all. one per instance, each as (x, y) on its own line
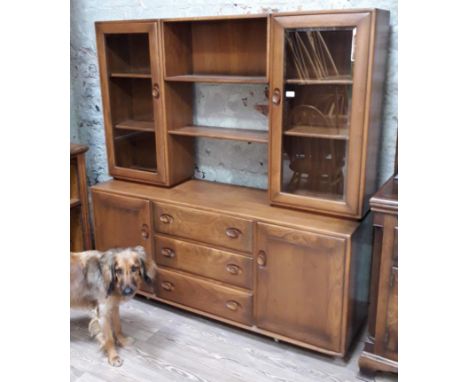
(240, 105)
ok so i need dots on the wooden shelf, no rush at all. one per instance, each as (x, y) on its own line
(342, 80)
(258, 136)
(74, 202)
(318, 132)
(223, 79)
(131, 124)
(130, 75)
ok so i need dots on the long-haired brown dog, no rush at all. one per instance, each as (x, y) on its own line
(101, 281)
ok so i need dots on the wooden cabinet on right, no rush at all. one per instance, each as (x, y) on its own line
(300, 285)
(326, 92)
(381, 348)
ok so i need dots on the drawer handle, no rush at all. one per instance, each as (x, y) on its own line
(167, 252)
(233, 269)
(144, 231)
(276, 97)
(261, 258)
(233, 233)
(166, 218)
(232, 305)
(155, 91)
(166, 285)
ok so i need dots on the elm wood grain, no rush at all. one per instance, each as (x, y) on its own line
(220, 79)
(318, 132)
(220, 265)
(80, 229)
(367, 81)
(222, 133)
(213, 228)
(300, 284)
(122, 221)
(130, 124)
(342, 80)
(243, 202)
(218, 299)
(227, 46)
(381, 347)
(130, 75)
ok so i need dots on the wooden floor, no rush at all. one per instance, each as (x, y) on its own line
(171, 345)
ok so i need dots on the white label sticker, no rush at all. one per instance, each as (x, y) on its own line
(290, 94)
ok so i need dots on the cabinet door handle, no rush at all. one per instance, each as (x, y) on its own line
(155, 92)
(261, 258)
(232, 305)
(276, 97)
(167, 252)
(144, 231)
(233, 233)
(166, 285)
(233, 269)
(166, 218)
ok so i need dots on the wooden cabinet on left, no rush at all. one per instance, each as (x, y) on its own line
(121, 221)
(137, 144)
(80, 229)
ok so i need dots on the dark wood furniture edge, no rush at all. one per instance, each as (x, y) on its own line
(76, 149)
(386, 198)
(370, 362)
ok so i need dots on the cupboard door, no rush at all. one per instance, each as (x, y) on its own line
(300, 283)
(318, 112)
(121, 221)
(130, 80)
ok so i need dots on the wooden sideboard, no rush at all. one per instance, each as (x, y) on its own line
(381, 348)
(248, 257)
(80, 230)
(222, 251)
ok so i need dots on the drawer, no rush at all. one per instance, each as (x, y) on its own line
(207, 227)
(205, 261)
(209, 297)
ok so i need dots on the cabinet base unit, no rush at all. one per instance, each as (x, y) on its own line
(224, 252)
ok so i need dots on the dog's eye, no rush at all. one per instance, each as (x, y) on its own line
(118, 271)
(134, 268)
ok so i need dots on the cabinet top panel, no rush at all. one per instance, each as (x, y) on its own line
(234, 200)
(248, 16)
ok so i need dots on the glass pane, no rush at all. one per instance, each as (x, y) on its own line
(316, 111)
(135, 150)
(128, 53)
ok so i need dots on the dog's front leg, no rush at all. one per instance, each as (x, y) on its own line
(106, 336)
(121, 339)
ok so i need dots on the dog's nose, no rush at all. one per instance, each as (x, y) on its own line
(127, 291)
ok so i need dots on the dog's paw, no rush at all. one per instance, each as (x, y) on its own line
(124, 341)
(115, 361)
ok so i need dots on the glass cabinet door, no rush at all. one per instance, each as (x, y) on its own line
(130, 83)
(316, 122)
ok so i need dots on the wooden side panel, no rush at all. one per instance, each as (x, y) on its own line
(121, 221)
(300, 285)
(376, 86)
(386, 330)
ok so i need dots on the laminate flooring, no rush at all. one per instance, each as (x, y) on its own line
(172, 345)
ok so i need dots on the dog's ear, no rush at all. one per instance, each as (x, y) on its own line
(106, 263)
(147, 266)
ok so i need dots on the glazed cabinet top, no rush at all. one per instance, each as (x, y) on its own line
(325, 71)
(326, 85)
